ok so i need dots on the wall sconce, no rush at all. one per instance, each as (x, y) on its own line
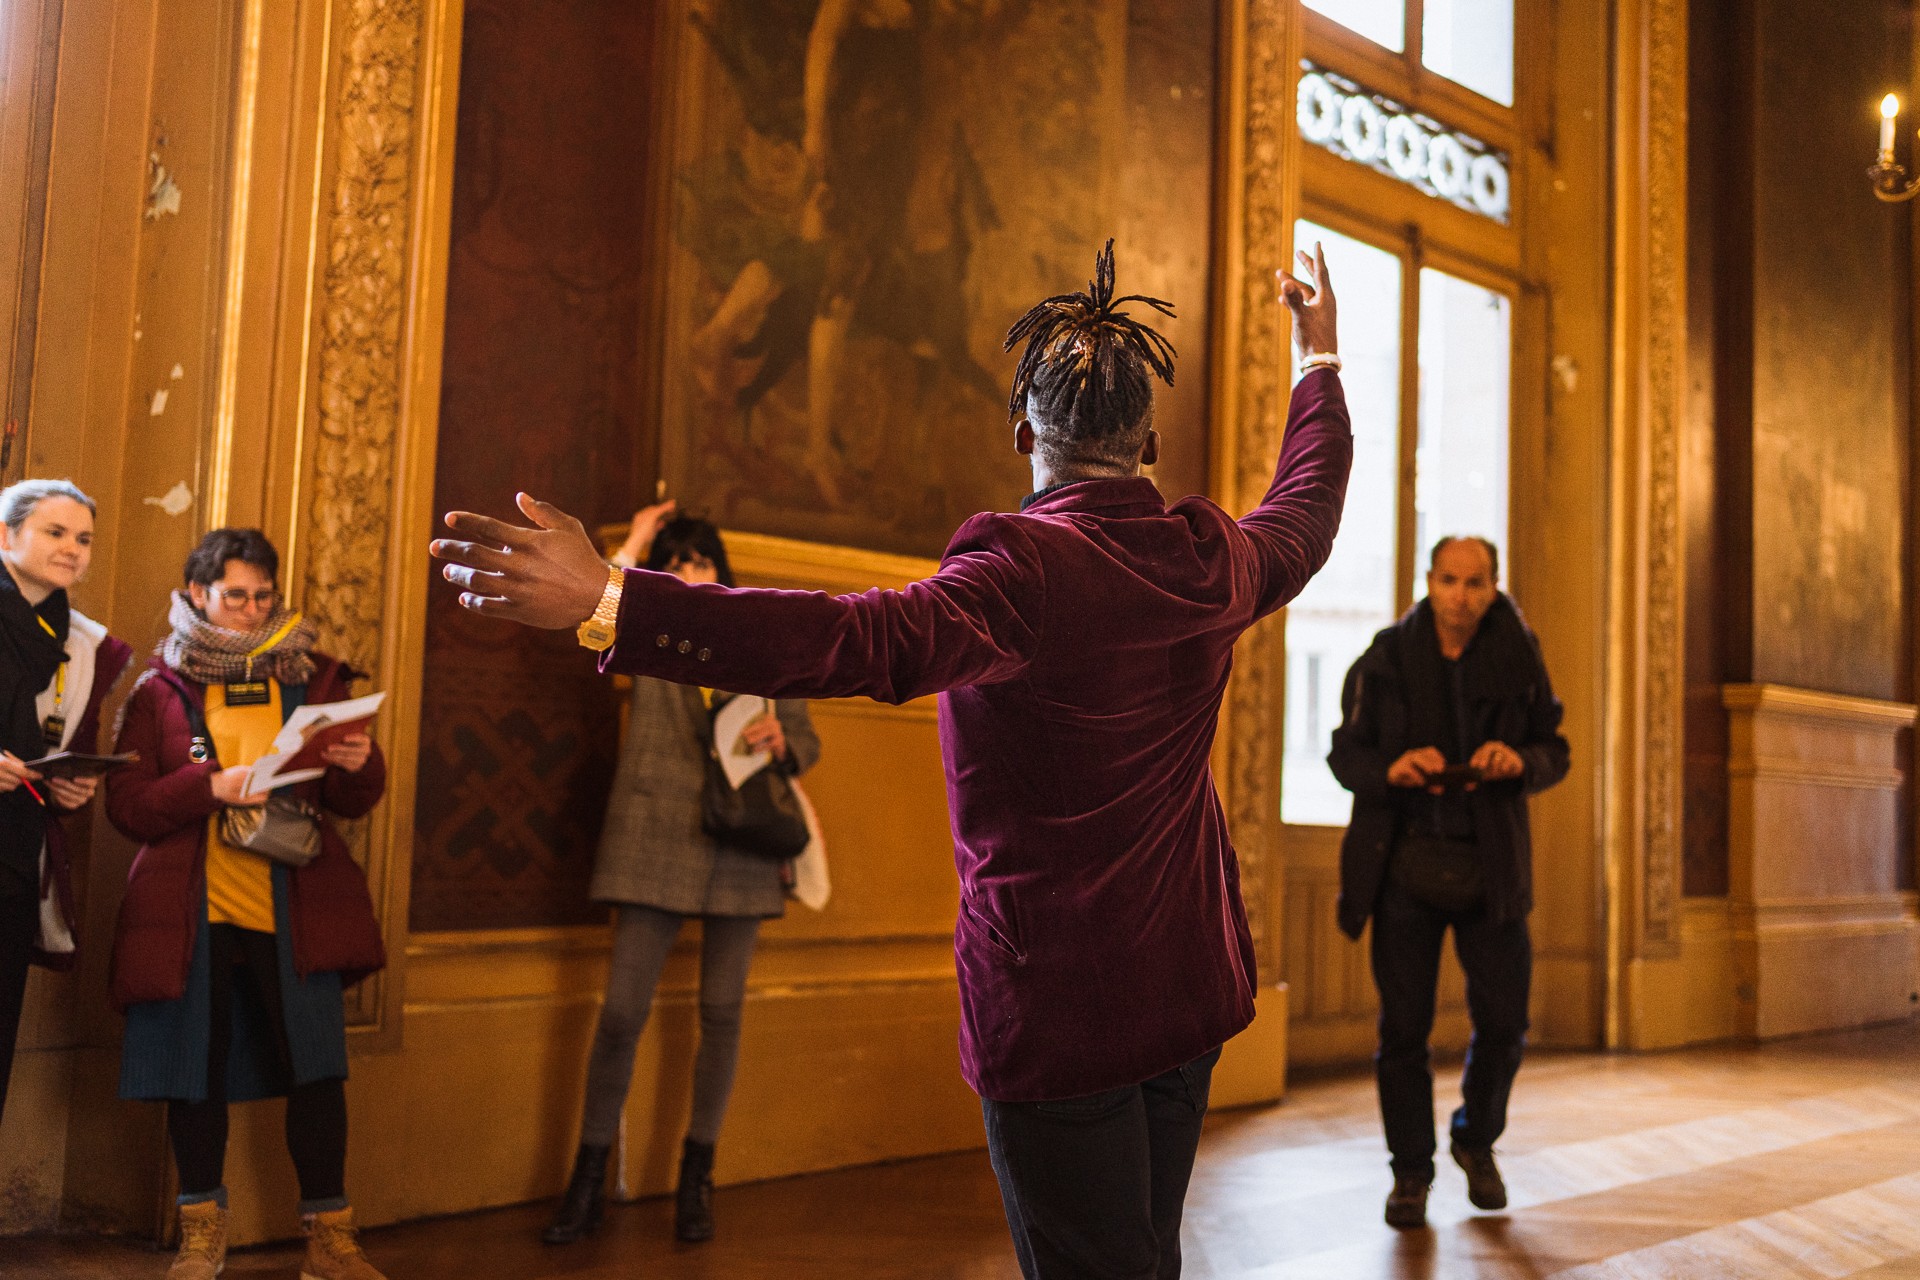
(1889, 178)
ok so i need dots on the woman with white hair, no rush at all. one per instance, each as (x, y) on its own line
(56, 666)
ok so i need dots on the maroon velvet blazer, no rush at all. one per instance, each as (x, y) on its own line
(1080, 650)
(164, 802)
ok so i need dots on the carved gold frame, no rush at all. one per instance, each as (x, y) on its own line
(1256, 197)
(1645, 668)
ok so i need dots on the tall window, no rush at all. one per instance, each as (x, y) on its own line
(1415, 181)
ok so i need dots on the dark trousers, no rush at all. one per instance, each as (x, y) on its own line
(19, 929)
(1498, 961)
(316, 1111)
(1094, 1187)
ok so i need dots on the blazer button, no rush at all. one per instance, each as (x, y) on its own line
(704, 654)
(685, 645)
(661, 640)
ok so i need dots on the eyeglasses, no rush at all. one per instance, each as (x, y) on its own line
(237, 598)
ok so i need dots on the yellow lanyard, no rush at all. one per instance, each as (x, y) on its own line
(60, 675)
(293, 620)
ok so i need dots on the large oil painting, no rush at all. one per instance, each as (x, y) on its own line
(864, 195)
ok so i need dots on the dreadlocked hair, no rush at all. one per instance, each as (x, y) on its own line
(1085, 379)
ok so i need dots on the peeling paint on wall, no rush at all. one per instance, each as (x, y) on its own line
(163, 197)
(175, 501)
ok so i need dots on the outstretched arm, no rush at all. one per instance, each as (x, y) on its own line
(976, 621)
(1294, 525)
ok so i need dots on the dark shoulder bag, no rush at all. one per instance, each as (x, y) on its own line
(1447, 875)
(284, 829)
(762, 817)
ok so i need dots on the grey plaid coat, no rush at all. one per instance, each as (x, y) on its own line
(652, 850)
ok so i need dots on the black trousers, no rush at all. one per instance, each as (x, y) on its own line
(1498, 961)
(19, 928)
(1094, 1187)
(316, 1111)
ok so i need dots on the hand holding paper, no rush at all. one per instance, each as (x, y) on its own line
(737, 759)
(300, 752)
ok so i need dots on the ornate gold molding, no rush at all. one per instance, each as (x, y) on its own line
(1253, 235)
(362, 309)
(386, 142)
(1647, 661)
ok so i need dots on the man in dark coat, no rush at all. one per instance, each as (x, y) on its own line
(1080, 649)
(1448, 724)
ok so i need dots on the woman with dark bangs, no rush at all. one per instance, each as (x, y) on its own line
(658, 867)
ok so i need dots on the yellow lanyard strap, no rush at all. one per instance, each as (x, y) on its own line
(60, 675)
(293, 620)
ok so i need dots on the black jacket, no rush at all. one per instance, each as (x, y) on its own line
(1508, 699)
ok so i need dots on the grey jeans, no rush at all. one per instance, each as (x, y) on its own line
(642, 937)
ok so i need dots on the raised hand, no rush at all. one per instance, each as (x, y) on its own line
(1312, 304)
(548, 576)
(646, 525)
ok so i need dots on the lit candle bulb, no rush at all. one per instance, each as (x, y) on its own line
(1889, 111)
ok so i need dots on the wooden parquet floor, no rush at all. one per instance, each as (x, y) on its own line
(1796, 1160)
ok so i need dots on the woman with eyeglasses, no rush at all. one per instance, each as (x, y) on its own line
(657, 867)
(56, 666)
(229, 966)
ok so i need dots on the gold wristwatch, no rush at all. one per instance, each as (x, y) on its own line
(597, 632)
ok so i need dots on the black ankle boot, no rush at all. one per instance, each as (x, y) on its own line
(579, 1212)
(693, 1201)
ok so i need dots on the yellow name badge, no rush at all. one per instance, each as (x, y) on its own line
(248, 693)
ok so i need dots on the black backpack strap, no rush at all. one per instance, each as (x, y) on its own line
(202, 749)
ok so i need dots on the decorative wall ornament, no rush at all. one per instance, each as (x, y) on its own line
(1650, 298)
(362, 311)
(1251, 394)
(1366, 128)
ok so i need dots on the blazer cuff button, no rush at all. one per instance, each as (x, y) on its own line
(685, 645)
(661, 640)
(704, 654)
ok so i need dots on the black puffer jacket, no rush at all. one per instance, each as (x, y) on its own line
(1508, 699)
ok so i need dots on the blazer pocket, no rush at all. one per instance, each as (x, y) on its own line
(997, 935)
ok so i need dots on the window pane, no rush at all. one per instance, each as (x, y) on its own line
(1381, 21)
(1471, 42)
(1460, 470)
(1331, 622)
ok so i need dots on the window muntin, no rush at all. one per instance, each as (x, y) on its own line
(1460, 464)
(1331, 622)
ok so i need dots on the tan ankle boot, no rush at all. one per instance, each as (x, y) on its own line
(203, 1242)
(332, 1251)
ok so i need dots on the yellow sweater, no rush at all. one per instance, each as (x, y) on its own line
(239, 884)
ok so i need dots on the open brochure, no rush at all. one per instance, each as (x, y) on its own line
(299, 750)
(736, 761)
(78, 764)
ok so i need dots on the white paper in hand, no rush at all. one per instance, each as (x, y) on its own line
(282, 766)
(729, 722)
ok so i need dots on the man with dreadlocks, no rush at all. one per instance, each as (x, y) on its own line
(1080, 649)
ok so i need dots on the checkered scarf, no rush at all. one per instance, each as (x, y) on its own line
(208, 654)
